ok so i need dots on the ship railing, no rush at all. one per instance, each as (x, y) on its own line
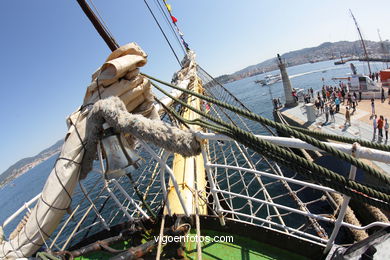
(126, 210)
(133, 207)
(26, 206)
(88, 206)
(357, 151)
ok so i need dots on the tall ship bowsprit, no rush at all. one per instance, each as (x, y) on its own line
(195, 174)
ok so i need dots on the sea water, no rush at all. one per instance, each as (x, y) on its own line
(256, 98)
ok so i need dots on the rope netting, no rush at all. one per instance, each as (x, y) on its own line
(242, 182)
(378, 196)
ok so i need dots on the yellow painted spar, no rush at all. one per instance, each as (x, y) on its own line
(189, 172)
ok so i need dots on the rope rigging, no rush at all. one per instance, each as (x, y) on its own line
(292, 131)
(326, 177)
(162, 31)
(170, 25)
(260, 119)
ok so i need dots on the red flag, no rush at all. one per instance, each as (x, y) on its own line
(174, 20)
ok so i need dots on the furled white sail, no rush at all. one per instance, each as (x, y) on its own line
(119, 76)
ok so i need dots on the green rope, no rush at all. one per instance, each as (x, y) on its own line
(326, 176)
(290, 131)
(47, 256)
(301, 165)
(250, 115)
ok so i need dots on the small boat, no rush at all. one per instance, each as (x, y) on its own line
(261, 82)
(271, 79)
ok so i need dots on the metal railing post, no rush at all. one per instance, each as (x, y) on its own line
(213, 188)
(343, 208)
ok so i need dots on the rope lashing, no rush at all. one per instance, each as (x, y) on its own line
(113, 111)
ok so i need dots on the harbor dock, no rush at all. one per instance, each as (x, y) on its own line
(361, 123)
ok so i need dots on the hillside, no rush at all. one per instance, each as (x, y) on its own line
(25, 164)
(323, 52)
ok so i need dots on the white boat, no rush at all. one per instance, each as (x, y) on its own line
(271, 79)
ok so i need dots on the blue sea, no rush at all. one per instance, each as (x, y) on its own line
(255, 97)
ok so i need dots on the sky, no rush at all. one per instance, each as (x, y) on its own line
(49, 49)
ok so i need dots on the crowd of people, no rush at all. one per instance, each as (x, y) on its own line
(374, 76)
(328, 100)
(380, 124)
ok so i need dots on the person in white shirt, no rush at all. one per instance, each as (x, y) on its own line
(375, 126)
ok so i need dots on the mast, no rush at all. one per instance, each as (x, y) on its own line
(383, 48)
(361, 38)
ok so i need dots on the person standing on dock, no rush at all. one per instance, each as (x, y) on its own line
(383, 95)
(388, 94)
(331, 112)
(353, 101)
(386, 129)
(355, 97)
(323, 93)
(322, 104)
(326, 113)
(380, 127)
(349, 100)
(375, 126)
(337, 103)
(373, 107)
(347, 116)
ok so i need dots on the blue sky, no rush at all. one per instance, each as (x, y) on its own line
(49, 49)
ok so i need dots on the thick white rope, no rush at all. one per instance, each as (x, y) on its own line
(113, 111)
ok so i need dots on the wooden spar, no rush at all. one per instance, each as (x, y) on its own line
(189, 172)
(383, 48)
(109, 39)
(361, 38)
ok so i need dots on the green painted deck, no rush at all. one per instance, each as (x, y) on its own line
(240, 248)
